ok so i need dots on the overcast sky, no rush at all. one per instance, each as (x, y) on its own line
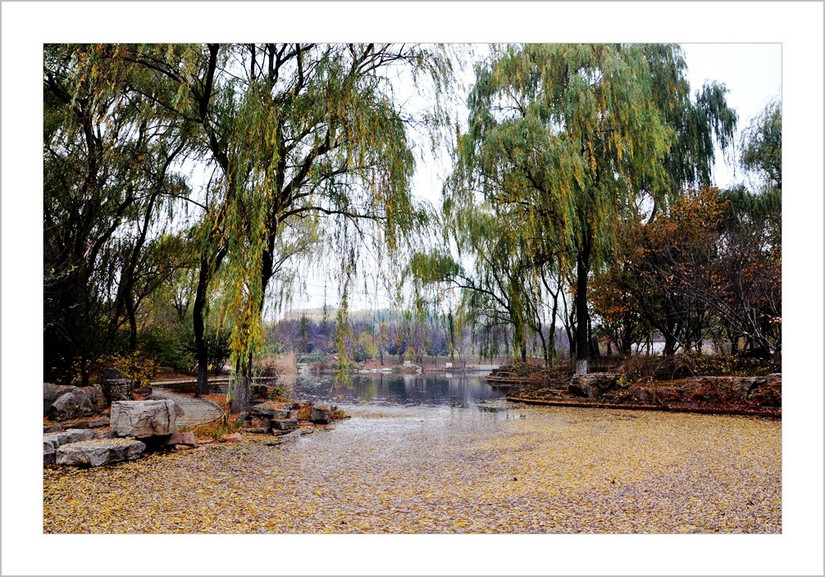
(751, 72)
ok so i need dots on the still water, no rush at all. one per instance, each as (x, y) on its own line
(396, 389)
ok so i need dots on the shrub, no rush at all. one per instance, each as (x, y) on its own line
(217, 429)
(169, 347)
(137, 366)
(639, 368)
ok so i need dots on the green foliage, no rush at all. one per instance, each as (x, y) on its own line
(170, 348)
(564, 141)
(762, 150)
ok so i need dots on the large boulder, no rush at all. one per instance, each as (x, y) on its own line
(99, 452)
(143, 418)
(592, 384)
(50, 394)
(53, 441)
(74, 403)
(760, 390)
(769, 394)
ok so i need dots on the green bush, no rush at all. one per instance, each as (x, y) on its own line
(170, 347)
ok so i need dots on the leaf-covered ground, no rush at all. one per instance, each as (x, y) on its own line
(442, 470)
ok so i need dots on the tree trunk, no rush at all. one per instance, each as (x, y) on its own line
(240, 395)
(581, 316)
(243, 375)
(198, 310)
(670, 345)
(131, 315)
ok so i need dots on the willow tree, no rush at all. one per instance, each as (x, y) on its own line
(296, 131)
(575, 137)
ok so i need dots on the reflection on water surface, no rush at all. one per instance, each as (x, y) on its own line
(396, 389)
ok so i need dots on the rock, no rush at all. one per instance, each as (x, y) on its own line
(53, 441)
(272, 409)
(320, 415)
(143, 418)
(50, 394)
(284, 424)
(263, 392)
(669, 394)
(770, 393)
(187, 438)
(111, 374)
(101, 401)
(117, 389)
(232, 438)
(762, 391)
(99, 452)
(640, 394)
(592, 384)
(72, 404)
(87, 423)
(142, 392)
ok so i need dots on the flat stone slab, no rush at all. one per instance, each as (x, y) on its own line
(99, 452)
(272, 409)
(53, 441)
(284, 424)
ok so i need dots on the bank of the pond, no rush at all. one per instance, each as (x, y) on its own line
(718, 394)
(390, 469)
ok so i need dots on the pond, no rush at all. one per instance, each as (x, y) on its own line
(435, 389)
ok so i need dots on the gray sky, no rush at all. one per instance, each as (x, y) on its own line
(751, 72)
